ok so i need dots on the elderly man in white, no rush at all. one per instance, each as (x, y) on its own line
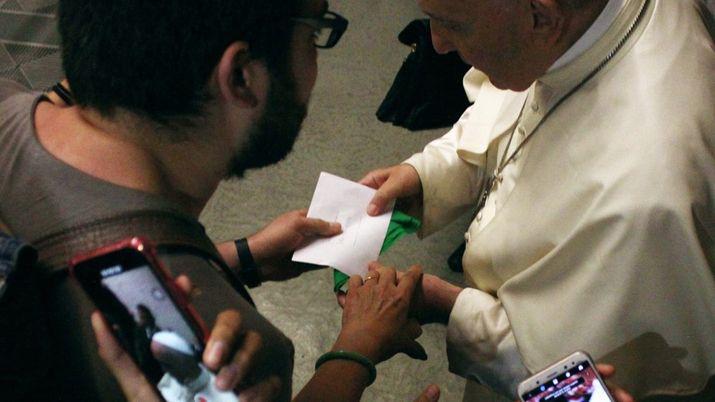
(589, 153)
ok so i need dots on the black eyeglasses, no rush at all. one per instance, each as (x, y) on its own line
(328, 29)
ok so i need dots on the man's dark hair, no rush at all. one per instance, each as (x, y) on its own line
(154, 57)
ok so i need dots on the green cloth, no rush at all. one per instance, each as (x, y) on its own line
(400, 224)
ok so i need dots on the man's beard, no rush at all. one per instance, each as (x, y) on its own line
(276, 131)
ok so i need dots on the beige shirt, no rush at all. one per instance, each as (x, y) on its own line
(599, 234)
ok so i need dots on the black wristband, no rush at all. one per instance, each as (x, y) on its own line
(249, 270)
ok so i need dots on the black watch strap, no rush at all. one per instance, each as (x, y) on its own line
(249, 270)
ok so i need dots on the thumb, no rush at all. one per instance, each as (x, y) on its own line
(341, 296)
(430, 394)
(415, 350)
(384, 196)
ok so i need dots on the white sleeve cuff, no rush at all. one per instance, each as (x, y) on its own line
(480, 343)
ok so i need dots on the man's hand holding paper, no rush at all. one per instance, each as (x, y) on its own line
(340, 200)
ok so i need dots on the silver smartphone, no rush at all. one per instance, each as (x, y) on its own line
(571, 379)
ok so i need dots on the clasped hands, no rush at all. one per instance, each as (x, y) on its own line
(273, 246)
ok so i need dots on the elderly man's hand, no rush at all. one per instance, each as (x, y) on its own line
(620, 394)
(230, 351)
(399, 182)
(434, 300)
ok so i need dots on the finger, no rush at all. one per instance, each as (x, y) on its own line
(243, 361)
(409, 281)
(375, 179)
(620, 394)
(224, 336)
(415, 350)
(341, 296)
(382, 198)
(317, 227)
(267, 390)
(430, 394)
(186, 286)
(372, 278)
(606, 370)
(413, 329)
(374, 266)
(388, 277)
(133, 383)
(354, 282)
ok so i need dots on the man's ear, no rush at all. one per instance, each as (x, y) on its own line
(549, 21)
(236, 75)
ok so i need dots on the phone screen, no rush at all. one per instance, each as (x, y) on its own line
(150, 325)
(141, 293)
(580, 383)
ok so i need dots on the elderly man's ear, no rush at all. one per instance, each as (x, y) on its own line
(240, 79)
(549, 21)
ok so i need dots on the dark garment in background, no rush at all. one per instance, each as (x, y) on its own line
(23, 329)
(427, 91)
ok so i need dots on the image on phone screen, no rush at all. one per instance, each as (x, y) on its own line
(150, 326)
(578, 384)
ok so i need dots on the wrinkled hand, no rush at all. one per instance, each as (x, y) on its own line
(434, 299)
(393, 183)
(620, 394)
(230, 351)
(273, 246)
(376, 319)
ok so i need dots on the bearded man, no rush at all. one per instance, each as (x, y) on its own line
(167, 99)
(589, 154)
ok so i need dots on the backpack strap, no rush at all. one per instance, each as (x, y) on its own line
(167, 230)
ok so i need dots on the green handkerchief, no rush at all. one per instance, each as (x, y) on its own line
(400, 224)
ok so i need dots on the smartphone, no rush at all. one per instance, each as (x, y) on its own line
(572, 379)
(150, 317)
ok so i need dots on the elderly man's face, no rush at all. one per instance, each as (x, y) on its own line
(487, 34)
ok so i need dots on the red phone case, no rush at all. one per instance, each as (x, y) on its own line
(148, 250)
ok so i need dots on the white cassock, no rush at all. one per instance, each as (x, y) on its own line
(599, 234)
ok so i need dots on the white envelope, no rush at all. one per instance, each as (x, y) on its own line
(340, 200)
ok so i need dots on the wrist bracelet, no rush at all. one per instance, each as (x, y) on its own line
(249, 270)
(351, 356)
